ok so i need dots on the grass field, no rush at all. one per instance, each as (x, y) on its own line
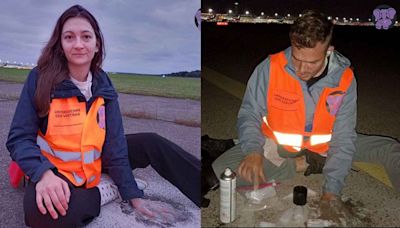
(176, 87)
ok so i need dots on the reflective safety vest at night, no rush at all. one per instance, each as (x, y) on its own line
(74, 139)
(286, 119)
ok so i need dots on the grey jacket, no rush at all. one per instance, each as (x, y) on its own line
(342, 145)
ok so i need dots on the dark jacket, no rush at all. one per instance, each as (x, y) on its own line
(26, 123)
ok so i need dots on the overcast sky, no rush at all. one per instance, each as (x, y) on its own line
(141, 36)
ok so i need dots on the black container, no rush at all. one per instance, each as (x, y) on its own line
(300, 195)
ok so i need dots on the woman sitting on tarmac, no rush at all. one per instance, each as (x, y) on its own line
(67, 130)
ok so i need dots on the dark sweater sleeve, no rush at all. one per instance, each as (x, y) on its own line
(21, 142)
(115, 154)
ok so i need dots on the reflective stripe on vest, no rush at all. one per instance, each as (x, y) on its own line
(293, 140)
(77, 178)
(91, 179)
(88, 156)
(319, 139)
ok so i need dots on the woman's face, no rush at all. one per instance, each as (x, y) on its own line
(78, 42)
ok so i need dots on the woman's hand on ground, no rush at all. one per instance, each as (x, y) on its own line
(54, 192)
(154, 210)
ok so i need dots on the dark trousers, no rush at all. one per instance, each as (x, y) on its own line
(173, 163)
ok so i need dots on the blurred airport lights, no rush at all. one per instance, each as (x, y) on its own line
(344, 19)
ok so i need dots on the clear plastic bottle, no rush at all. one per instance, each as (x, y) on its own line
(300, 211)
(297, 215)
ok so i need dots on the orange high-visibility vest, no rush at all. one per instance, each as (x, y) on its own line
(286, 118)
(74, 139)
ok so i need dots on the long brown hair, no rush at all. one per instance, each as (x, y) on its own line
(53, 65)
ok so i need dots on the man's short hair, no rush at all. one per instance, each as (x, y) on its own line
(309, 29)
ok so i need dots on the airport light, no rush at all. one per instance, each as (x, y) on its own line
(369, 19)
(262, 13)
(288, 14)
(236, 3)
(276, 14)
(300, 15)
(336, 18)
(357, 19)
(230, 11)
(247, 12)
(329, 17)
(351, 19)
(210, 10)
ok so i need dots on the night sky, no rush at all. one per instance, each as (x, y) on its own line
(336, 8)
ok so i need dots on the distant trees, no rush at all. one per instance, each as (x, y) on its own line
(185, 74)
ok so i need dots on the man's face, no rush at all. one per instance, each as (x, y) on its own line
(308, 62)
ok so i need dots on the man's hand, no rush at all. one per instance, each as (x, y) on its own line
(332, 208)
(328, 196)
(251, 169)
(53, 191)
(315, 162)
(154, 210)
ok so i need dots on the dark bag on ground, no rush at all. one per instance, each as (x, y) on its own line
(211, 149)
